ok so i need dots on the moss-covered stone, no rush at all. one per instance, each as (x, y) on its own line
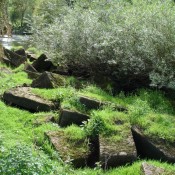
(78, 152)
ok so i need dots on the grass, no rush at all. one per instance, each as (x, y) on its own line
(151, 110)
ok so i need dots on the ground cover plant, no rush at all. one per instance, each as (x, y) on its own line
(149, 109)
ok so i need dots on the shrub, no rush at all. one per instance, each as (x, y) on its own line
(22, 160)
(136, 38)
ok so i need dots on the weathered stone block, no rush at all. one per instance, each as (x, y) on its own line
(153, 148)
(117, 153)
(90, 103)
(48, 80)
(12, 58)
(77, 152)
(42, 64)
(68, 117)
(22, 97)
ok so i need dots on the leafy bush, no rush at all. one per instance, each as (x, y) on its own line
(136, 38)
(22, 160)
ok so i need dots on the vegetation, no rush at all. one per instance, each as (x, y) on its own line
(149, 109)
(126, 41)
(136, 38)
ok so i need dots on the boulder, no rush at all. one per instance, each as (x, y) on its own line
(12, 58)
(23, 97)
(43, 64)
(48, 80)
(148, 169)
(117, 153)
(68, 117)
(77, 152)
(31, 71)
(152, 148)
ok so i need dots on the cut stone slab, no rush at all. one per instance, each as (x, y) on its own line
(29, 67)
(148, 169)
(77, 152)
(48, 80)
(42, 64)
(153, 148)
(21, 52)
(44, 119)
(90, 104)
(31, 71)
(68, 118)
(22, 97)
(117, 153)
(12, 58)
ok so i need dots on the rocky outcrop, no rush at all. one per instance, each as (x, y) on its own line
(153, 148)
(48, 80)
(24, 98)
(43, 64)
(68, 117)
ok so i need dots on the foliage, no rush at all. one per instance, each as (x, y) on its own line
(136, 38)
(19, 10)
(23, 161)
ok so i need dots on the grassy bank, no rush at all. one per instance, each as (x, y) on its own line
(149, 109)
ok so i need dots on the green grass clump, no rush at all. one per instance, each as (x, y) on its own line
(16, 78)
(154, 113)
(111, 124)
(74, 133)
